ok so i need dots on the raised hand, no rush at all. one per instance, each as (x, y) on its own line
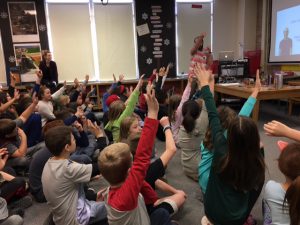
(16, 94)
(275, 128)
(121, 77)
(257, 81)
(152, 103)
(114, 78)
(140, 83)
(79, 113)
(202, 74)
(161, 72)
(95, 129)
(3, 157)
(164, 121)
(65, 84)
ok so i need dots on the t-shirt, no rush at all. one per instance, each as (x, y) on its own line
(61, 181)
(273, 210)
(198, 57)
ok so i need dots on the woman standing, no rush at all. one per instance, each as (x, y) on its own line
(49, 69)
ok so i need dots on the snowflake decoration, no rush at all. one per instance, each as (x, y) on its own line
(145, 16)
(3, 15)
(167, 42)
(143, 48)
(42, 27)
(171, 65)
(11, 59)
(169, 25)
(149, 61)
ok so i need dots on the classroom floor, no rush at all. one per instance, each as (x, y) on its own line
(192, 211)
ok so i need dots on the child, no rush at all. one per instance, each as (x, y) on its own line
(238, 174)
(118, 111)
(226, 116)
(157, 168)
(63, 181)
(125, 205)
(281, 202)
(45, 106)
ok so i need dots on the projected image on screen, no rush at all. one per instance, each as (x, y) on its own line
(285, 32)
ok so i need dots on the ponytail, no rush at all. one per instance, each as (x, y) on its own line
(190, 112)
(292, 196)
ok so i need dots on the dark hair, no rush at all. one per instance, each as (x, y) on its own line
(226, 115)
(288, 164)
(7, 126)
(201, 46)
(243, 166)
(57, 138)
(114, 162)
(3, 97)
(63, 114)
(190, 112)
(161, 96)
(8, 115)
(23, 104)
(174, 102)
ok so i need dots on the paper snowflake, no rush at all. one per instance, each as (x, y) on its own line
(169, 25)
(143, 48)
(149, 61)
(11, 59)
(42, 27)
(3, 15)
(167, 42)
(145, 16)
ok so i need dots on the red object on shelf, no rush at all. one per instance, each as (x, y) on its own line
(196, 6)
(254, 61)
(215, 66)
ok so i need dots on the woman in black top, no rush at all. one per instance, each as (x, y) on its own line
(49, 69)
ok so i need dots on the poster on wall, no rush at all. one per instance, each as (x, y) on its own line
(23, 21)
(28, 57)
(156, 36)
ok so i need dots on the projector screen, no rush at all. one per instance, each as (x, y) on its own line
(285, 31)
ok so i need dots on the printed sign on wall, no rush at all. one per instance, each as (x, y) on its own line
(155, 22)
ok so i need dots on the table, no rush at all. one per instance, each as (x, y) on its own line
(266, 93)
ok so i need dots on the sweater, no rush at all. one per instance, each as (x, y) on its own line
(223, 204)
(124, 204)
(178, 114)
(114, 126)
(207, 155)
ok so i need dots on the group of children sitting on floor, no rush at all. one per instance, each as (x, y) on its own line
(57, 141)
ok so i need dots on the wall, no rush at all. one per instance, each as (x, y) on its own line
(250, 25)
(234, 26)
(225, 23)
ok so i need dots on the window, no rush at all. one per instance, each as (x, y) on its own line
(2, 63)
(115, 40)
(71, 40)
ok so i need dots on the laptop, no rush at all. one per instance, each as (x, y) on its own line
(226, 56)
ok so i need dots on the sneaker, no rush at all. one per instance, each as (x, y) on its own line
(22, 203)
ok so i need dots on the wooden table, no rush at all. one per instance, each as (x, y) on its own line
(266, 93)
